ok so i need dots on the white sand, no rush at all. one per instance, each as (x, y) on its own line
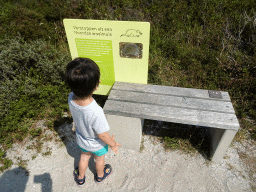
(153, 169)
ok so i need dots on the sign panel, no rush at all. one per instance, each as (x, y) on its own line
(120, 48)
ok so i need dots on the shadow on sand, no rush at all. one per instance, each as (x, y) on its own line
(16, 180)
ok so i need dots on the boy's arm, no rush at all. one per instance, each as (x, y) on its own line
(106, 138)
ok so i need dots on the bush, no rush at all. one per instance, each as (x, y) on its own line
(6, 163)
(32, 78)
(208, 45)
(30, 24)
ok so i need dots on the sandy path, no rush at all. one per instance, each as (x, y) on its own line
(153, 169)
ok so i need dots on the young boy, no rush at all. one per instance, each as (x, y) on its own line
(83, 77)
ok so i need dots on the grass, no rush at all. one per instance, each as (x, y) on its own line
(206, 45)
(5, 162)
(33, 157)
(48, 152)
(142, 147)
(22, 163)
(250, 162)
(189, 139)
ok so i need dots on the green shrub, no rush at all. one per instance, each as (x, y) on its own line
(35, 132)
(32, 78)
(209, 45)
(6, 163)
(30, 24)
(26, 68)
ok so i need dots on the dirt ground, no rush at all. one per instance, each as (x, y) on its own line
(152, 169)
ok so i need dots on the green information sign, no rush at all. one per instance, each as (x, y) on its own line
(99, 51)
(120, 48)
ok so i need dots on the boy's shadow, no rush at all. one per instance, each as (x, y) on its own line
(65, 127)
(16, 180)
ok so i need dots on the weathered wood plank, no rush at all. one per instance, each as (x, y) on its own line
(168, 90)
(172, 114)
(172, 101)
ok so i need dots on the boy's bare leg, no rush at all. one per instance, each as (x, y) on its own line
(100, 164)
(83, 163)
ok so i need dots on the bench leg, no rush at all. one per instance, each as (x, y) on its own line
(127, 130)
(221, 140)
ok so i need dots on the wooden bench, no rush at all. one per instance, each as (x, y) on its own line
(129, 104)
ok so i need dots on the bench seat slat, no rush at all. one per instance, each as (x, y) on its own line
(168, 90)
(172, 101)
(172, 114)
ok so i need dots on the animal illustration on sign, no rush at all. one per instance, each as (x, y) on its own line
(132, 33)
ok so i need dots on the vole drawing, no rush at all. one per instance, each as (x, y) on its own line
(132, 33)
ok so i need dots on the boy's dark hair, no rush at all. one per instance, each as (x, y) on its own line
(82, 76)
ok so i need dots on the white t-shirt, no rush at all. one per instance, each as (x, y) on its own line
(89, 121)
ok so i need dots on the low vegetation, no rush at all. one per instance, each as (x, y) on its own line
(206, 44)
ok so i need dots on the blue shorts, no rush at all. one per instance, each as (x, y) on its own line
(101, 152)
